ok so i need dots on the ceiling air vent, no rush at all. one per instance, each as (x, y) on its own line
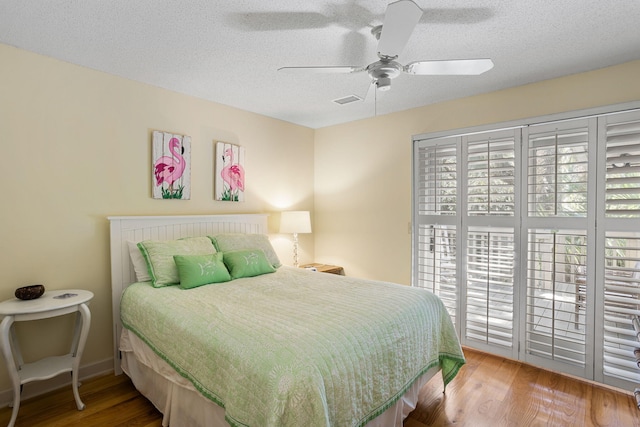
(347, 99)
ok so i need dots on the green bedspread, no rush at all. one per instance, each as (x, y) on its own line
(296, 348)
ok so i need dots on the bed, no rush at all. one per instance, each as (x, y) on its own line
(284, 347)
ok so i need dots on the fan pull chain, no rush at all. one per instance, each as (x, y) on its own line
(375, 102)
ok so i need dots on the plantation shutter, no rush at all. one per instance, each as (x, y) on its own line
(623, 169)
(557, 220)
(556, 295)
(491, 176)
(531, 237)
(436, 193)
(620, 222)
(490, 240)
(437, 264)
(437, 182)
(557, 172)
(621, 305)
(490, 272)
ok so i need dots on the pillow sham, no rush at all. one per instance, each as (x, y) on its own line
(159, 257)
(198, 270)
(247, 263)
(139, 264)
(236, 241)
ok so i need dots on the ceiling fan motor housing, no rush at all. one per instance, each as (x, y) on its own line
(383, 71)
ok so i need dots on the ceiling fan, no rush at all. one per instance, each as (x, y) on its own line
(400, 20)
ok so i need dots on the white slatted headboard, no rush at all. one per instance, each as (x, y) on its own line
(137, 228)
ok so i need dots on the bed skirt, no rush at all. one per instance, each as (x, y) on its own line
(182, 405)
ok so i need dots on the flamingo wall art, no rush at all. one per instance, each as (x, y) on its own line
(171, 169)
(229, 179)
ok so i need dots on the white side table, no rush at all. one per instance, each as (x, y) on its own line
(51, 304)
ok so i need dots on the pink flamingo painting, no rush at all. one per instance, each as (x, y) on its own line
(232, 175)
(168, 170)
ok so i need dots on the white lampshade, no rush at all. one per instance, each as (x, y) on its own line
(295, 222)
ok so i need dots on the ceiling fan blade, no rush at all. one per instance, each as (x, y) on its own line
(401, 18)
(372, 85)
(278, 21)
(460, 67)
(328, 70)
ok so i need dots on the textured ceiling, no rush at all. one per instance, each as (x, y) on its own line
(229, 51)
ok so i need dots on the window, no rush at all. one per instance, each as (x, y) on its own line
(529, 234)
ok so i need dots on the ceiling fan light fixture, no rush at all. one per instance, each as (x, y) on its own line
(383, 84)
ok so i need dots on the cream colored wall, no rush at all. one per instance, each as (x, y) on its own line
(363, 168)
(76, 148)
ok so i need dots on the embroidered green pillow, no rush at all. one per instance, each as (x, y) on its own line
(237, 241)
(198, 270)
(159, 257)
(247, 263)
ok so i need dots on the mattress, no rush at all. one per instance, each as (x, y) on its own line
(295, 347)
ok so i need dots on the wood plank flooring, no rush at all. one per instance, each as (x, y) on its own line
(488, 391)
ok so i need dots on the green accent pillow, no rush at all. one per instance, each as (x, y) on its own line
(159, 257)
(236, 242)
(247, 263)
(198, 270)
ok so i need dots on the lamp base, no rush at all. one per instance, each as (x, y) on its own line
(295, 250)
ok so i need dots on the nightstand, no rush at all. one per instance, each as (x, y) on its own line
(325, 268)
(51, 304)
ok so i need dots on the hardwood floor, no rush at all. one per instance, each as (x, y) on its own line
(488, 391)
(492, 391)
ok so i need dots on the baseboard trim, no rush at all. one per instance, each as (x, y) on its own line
(36, 388)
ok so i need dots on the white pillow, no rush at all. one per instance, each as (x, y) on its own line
(139, 264)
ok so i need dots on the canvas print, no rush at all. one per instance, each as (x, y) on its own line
(229, 175)
(171, 166)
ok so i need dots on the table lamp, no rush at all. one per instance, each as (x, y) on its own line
(295, 222)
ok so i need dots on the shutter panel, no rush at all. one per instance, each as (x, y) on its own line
(490, 272)
(621, 304)
(437, 263)
(491, 177)
(556, 295)
(623, 170)
(557, 173)
(437, 179)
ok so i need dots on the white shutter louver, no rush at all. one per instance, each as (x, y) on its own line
(490, 272)
(621, 304)
(437, 263)
(491, 177)
(556, 295)
(623, 170)
(437, 192)
(557, 173)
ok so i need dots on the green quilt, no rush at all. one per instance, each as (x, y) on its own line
(296, 348)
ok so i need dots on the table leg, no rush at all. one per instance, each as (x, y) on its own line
(83, 321)
(7, 351)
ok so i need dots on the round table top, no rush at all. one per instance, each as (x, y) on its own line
(50, 300)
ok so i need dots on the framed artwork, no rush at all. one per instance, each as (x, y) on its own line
(229, 174)
(171, 169)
